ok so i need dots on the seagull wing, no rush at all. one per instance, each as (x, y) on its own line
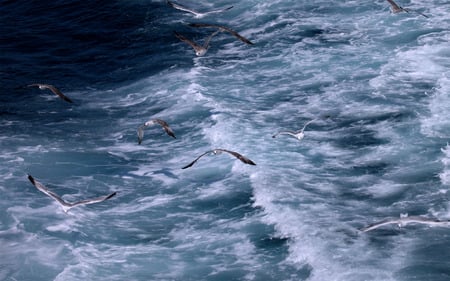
(306, 124)
(394, 5)
(182, 8)
(417, 12)
(57, 92)
(196, 159)
(223, 28)
(206, 44)
(140, 133)
(52, 88)
(194, 45)
(379, 224)
(291, 133)
(239, 156)
(93, 200)
(217, 11)
(49, 193)
(166, 127)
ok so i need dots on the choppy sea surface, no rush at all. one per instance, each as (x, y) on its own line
(376, 84)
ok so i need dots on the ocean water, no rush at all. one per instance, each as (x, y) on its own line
(376, 84)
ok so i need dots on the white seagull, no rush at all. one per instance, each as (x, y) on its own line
(64, 204)
(398, 9)
(163, 123)
(296, 134)
(218, 151)
(52, 88)
(222, 29)
(404, 220)
(199, 49)
(196, 13)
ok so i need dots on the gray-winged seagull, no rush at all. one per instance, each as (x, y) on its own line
(395, 8)
(222, 29)
(163, 124)
(296, 134)
(52, 88)
(64, 204)
(218, 151)
(196, 13)
(404, 220)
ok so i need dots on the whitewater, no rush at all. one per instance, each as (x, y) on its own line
(375, 84)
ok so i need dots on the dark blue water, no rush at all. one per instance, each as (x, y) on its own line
(375, 83)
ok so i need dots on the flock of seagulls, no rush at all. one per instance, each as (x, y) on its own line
(200, 50)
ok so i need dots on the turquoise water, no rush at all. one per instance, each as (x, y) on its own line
(376, 84)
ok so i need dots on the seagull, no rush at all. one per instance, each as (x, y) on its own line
(222, 29)
(52, 88)
(218, 151)
(398, 9)
(296, 134)
(404, 220)
(196, 13)
(153, 122)
(199, 50)
(64, 204)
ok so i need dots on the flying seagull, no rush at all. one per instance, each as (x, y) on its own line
(64, 204)
(153, 122)
(296, 134)
(404, 220)
(199, 50)
(222, 29)
(218, 151)
(398, 9)
(196, 13)
(52, 88)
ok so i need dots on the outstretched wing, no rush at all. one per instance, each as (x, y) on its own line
(223, 28)
(394, 6)
(182, 8)
(239, 156)
(49, 193)
(194, 45)
(166, 127)
(140, 133)
(57, 92)
(379, 224)
(196, 159)
(196, 13)
(291, 133)
(93, 200)
(54, 90)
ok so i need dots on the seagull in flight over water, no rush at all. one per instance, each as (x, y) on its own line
(296, 134)
(218, 151)
(222, 29)
(404, 220)
(64, 204)
(199, 49)
(196, 13)
(163, 123)
(398, 9)
(52, 88)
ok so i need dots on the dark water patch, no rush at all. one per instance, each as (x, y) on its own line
(78, 44)
(373, 168)
(359, 138)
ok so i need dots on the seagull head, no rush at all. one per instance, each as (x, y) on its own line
(201, 52)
